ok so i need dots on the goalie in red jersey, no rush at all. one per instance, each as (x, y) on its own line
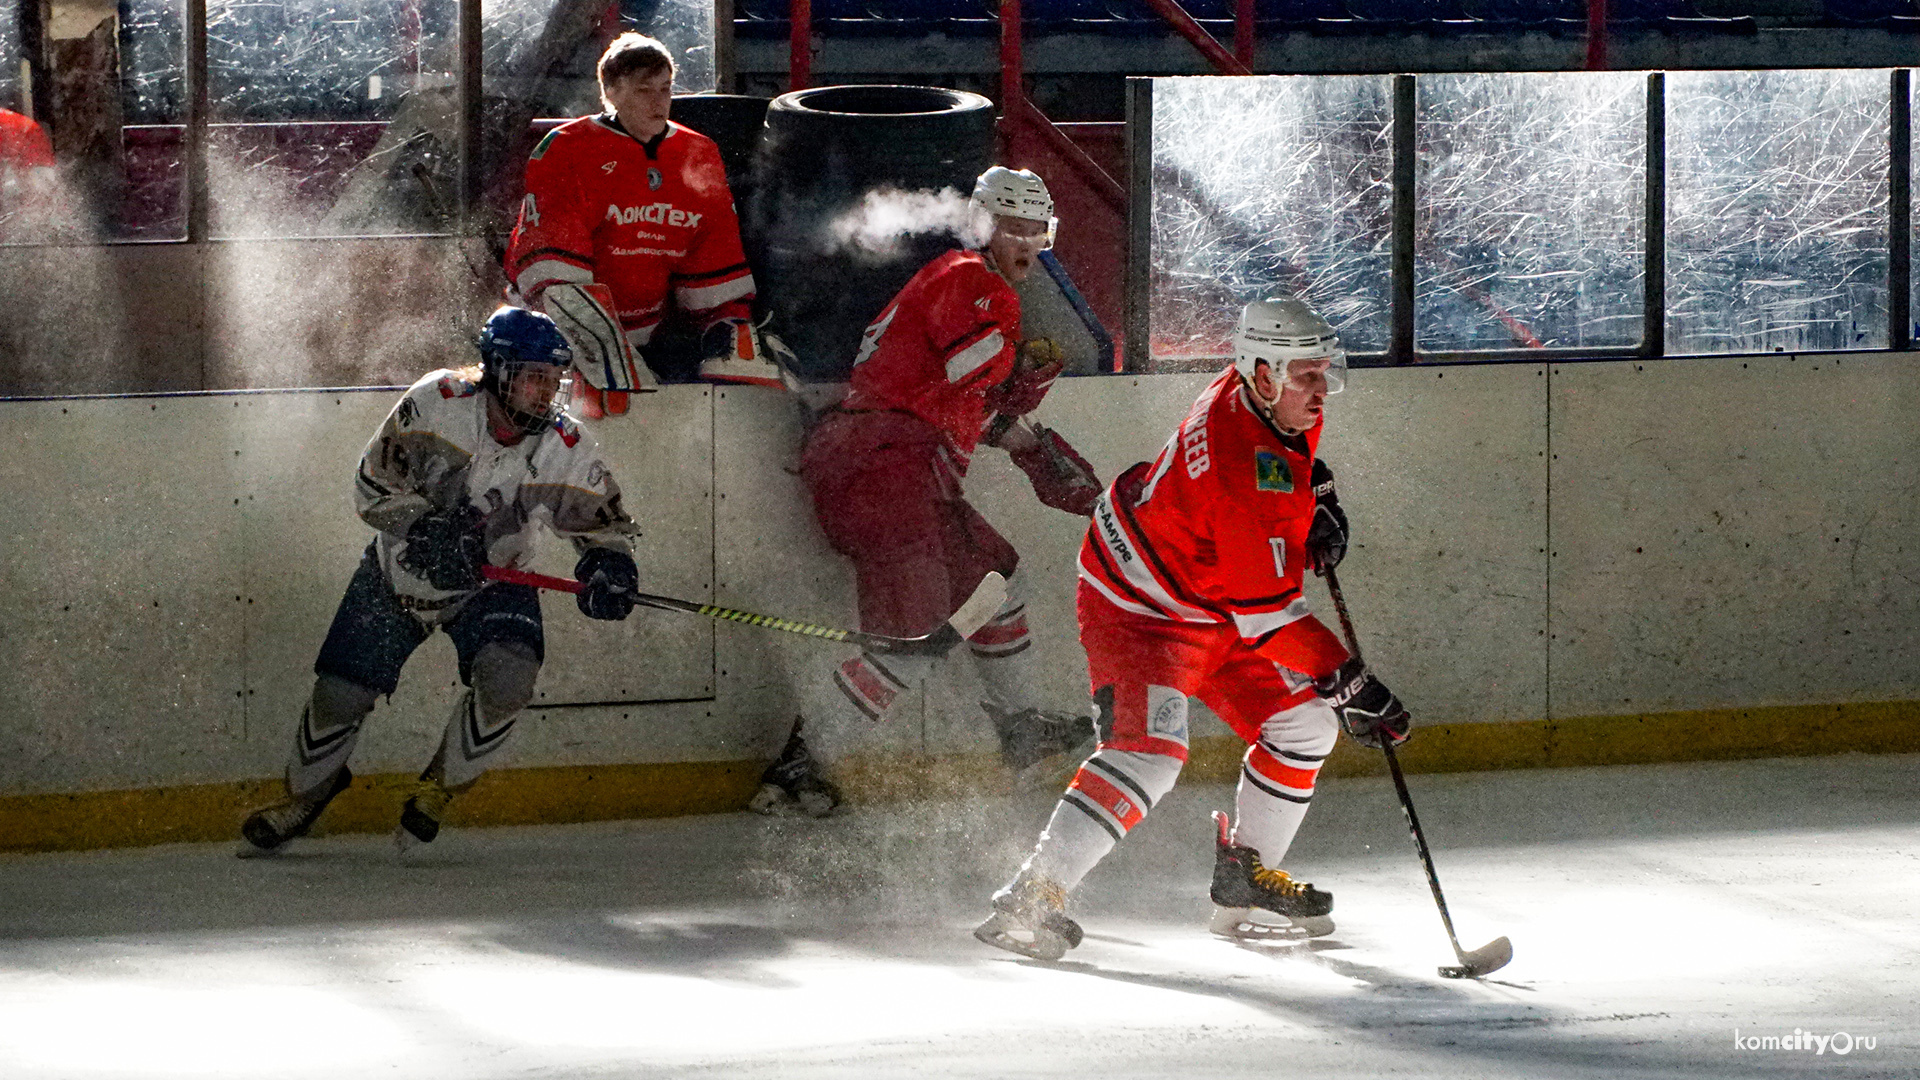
(1190, 585)
(940, 371)
(628, 216)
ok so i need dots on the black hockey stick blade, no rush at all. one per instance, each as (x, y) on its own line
(1484, 960)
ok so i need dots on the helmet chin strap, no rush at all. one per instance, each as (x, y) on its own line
(1265, 408)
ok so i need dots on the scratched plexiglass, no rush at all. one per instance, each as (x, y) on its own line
(1531, 221)
(545, 50)
(330, 117)
(1269, 186)
(1776, 211)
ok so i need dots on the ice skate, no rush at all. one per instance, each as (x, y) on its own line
(793, 784)
(1253, 902)
(420, 816)
(1029, 917)
(1031, 736)
(268, 830)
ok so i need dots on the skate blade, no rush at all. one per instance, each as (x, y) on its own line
(247, 850)
(1251, 924)
(1004, 932)
(405, 842)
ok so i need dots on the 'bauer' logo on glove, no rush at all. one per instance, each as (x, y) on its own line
(1365, 707)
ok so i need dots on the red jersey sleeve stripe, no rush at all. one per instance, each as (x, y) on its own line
(973, 357)
(723, 273)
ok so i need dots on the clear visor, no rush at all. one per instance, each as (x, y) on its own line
(1310, 376)
(1028, 231)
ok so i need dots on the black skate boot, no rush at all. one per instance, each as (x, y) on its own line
(267, 830)
(1248, 896)
(1029, 917)
(420, 815)
(1031, 736)
(793, 784)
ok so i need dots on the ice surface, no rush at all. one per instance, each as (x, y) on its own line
(1653, 911)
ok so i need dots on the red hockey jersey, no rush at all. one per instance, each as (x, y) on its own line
(947, 338)
(642, 218)
(1214, 530)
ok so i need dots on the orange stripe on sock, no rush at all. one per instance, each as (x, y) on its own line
(1121, 805)
(1280, 772)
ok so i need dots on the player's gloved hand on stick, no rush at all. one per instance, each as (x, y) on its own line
(1061, 478)
(1036, 364)
(1368, 711)
(611, 579)
(447, 547)
(1327, 537)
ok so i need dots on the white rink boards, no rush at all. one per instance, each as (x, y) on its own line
(1733, 477)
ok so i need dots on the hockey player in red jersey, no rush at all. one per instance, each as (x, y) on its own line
(942, 369)
(1190, 585)
(626, 218)
(29, 187)
(459, 476)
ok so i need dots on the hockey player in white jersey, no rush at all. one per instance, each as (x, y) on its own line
(464, 468)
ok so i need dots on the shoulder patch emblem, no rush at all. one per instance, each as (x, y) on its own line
(654, 179)
(546, 140)
(409, 412)
(1270, 472)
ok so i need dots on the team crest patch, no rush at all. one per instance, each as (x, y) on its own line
(654, 179)
(1270, 472)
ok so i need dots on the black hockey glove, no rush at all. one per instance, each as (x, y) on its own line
(1327, 537)
(447, 547)
(1365, 706)
(610, 580)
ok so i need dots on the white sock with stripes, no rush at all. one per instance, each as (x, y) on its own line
(1277, 778)
(1110, 794)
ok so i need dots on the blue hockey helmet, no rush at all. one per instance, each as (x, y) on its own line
(524, 361)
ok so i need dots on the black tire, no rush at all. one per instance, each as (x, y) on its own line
(823, 150)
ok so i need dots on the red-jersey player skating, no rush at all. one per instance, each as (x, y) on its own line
(1190, 586)
(628, 215)
(942, 369)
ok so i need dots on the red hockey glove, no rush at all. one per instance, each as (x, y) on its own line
(1036, 364)
(1061, 478)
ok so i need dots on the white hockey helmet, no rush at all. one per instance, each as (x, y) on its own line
(1008, 193)
(1282, 330)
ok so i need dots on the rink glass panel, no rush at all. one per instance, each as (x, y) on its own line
(1776, 211)
(153, 106)
(1269, 185)
(331, 117)
(1530, 229)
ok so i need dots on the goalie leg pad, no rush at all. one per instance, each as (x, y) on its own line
(602, 353)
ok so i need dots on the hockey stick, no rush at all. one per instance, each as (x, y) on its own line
(1495, 954)
(974, 614)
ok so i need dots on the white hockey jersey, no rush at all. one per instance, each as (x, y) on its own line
(435, 451)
